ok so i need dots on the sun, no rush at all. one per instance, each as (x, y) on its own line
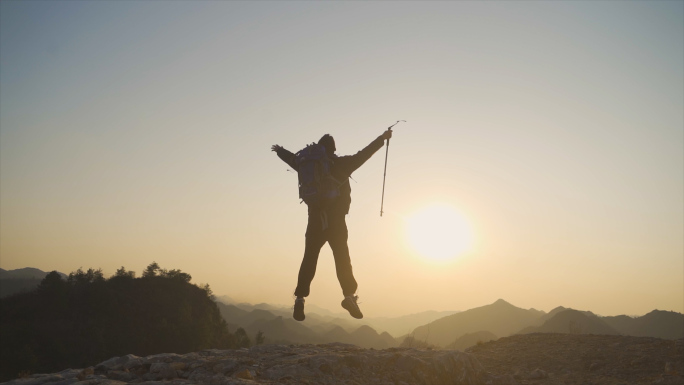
(439, 232)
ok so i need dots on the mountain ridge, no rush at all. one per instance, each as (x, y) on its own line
(572, 321)
(500, 318)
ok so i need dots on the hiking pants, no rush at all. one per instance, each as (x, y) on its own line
(336, 235)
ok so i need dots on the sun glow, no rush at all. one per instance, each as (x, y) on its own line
(439, 232)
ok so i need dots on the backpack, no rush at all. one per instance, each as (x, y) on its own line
(317, 187)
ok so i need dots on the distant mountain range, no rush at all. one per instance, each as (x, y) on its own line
(20, 280)
(658, 323)
(500, 318)
(503, 319)
(454, 330)
(571, 321)
(393, 325)
(279, 327)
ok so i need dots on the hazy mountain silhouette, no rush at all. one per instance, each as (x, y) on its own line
(471, 339)
(278, 327)
(572, 321)
(550, 315)
(500, 318)
(404, 324)
(337, 334)
(393, 325)
(658, 323)
(283, 330)
(245, 314)
(389, 340)
(365, 336)
(21, 280)
(231, 313)
(26, 272)
(314, 320)
(261, 306)
(228, 300)
(258, 315)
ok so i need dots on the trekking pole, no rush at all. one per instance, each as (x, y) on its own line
(384, 175)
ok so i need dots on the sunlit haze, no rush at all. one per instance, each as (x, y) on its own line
(439, 232)
(549, 135)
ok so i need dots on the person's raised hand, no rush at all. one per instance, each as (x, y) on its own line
(387, 134)
(276, 147)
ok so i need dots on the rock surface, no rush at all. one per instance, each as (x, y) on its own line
(539, 359)
(282, 364)
(549, 359)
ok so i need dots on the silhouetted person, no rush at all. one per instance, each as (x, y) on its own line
(329, 225)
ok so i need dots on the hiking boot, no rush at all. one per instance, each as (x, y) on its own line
(352, 307)
(299, 310)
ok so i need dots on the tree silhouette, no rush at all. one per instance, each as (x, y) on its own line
(85, 319)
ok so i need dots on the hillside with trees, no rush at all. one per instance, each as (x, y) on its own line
(87, 318)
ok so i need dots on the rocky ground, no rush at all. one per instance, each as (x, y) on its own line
(546, 359)
(282, 364)
(543, 359)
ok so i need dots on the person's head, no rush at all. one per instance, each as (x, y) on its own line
(329, 143)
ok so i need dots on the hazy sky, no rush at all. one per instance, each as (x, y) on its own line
(140, 131)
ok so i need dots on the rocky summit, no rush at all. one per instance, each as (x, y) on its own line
(582, 359)
(283, 364)
(531, 359)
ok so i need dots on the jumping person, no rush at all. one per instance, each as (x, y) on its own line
(329, 225)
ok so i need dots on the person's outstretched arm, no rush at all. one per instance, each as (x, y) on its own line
(350, 163)
(285, 156)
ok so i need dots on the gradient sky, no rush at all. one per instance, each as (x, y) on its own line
(140, 131)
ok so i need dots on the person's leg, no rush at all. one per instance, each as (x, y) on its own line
(315, 239)
(337, 237)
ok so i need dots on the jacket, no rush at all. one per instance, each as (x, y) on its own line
(342, 167)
